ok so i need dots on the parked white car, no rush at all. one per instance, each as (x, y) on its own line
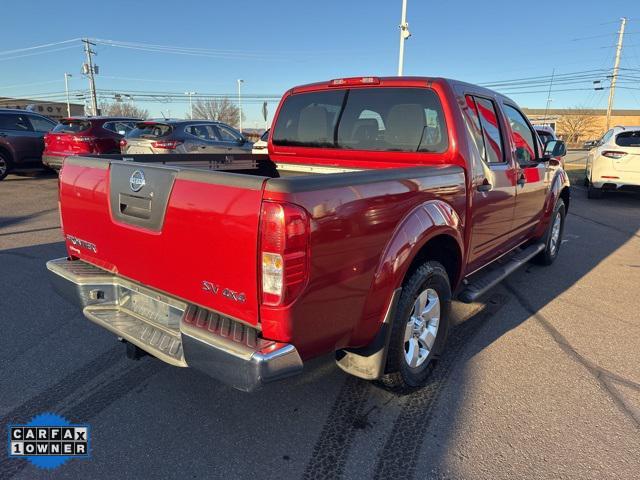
(614, 162)
(261, 145)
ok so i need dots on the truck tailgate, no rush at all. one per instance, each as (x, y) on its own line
(191, 234)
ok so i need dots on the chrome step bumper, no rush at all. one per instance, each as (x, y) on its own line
(172, 330)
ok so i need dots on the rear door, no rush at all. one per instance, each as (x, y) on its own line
(191, 234)
(16, 129)
(493, 182)
(532, 181)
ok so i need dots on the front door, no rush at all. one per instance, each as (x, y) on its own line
(532, 182)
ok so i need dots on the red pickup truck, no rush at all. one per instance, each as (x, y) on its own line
(380, 200)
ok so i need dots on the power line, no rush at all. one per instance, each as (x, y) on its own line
(45, 45)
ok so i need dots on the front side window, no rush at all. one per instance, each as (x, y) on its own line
(374, 119)
(227, 135)
(41, 124)
(521, 135)
(13, 121)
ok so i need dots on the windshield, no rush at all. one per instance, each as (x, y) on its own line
(628, 139)
(377, 119)
(71, 126)
(150, 130)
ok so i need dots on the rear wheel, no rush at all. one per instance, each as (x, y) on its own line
(419, 329)
(5, 165)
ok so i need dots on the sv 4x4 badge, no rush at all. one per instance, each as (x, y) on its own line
(215, 289)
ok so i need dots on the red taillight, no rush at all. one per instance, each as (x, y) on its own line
(123, 142)
(166, 144)
(80, 139)
(284, 245)
(613, 154)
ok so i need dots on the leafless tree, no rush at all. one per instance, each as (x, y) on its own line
(123, 109)
(222, 110)
(578, 125)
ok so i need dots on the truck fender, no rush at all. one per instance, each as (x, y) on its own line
(423, 223)
(559, 183)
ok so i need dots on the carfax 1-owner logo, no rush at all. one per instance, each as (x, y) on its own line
(49, 440)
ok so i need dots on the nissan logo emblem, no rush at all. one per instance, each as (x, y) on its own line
(137, 181)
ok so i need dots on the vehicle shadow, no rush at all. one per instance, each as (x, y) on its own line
(303, 426)
(594, 231)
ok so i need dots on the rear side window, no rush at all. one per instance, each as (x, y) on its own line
(203, 132)
(522, 135)
(482, 119)
(374, 119)
(150, 130)
(628, 139)
(41, 124)
(14, 121)
(72, 126)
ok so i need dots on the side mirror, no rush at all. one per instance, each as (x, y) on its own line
(555, 148)
(242, 141)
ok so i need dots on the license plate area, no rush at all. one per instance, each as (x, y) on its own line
(149, 307)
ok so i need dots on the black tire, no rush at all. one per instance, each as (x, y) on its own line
(594, 193)
(399, 375)
(550, 253)
(5, 165)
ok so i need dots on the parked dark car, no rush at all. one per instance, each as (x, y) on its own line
(21, 139)
(184, 136)
(85, 135)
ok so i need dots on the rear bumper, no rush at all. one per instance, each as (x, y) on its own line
(172, 330)
(53, 161)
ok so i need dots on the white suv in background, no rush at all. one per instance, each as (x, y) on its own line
(614, 162)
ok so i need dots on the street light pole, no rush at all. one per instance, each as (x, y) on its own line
(404, 34)
(66, 90)
(240, 82)
(190, 94)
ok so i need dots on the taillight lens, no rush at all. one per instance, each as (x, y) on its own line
(613, 154)
(284, 246)
(166, 144)
(123, 142)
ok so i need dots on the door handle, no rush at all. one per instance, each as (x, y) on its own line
(485, 186)
(522, 180)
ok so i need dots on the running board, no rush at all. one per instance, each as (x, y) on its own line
(485, 281)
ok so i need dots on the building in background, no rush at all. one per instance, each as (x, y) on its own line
(578, 125)
(54, 110)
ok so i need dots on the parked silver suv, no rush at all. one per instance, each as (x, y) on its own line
(184, 136)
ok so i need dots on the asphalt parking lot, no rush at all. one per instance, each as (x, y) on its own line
(541, 379)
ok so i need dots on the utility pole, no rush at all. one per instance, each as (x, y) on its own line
(90, 71)
(616, 65)
(546, 110)
(404, 34)
(240, 82)
(191, 94)
(66, 91)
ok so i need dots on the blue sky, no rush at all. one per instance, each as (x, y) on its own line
(276, 44)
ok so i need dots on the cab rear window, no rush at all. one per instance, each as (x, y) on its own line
(628, 139)
(150, 130)
(375, 119)
(72, 126)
